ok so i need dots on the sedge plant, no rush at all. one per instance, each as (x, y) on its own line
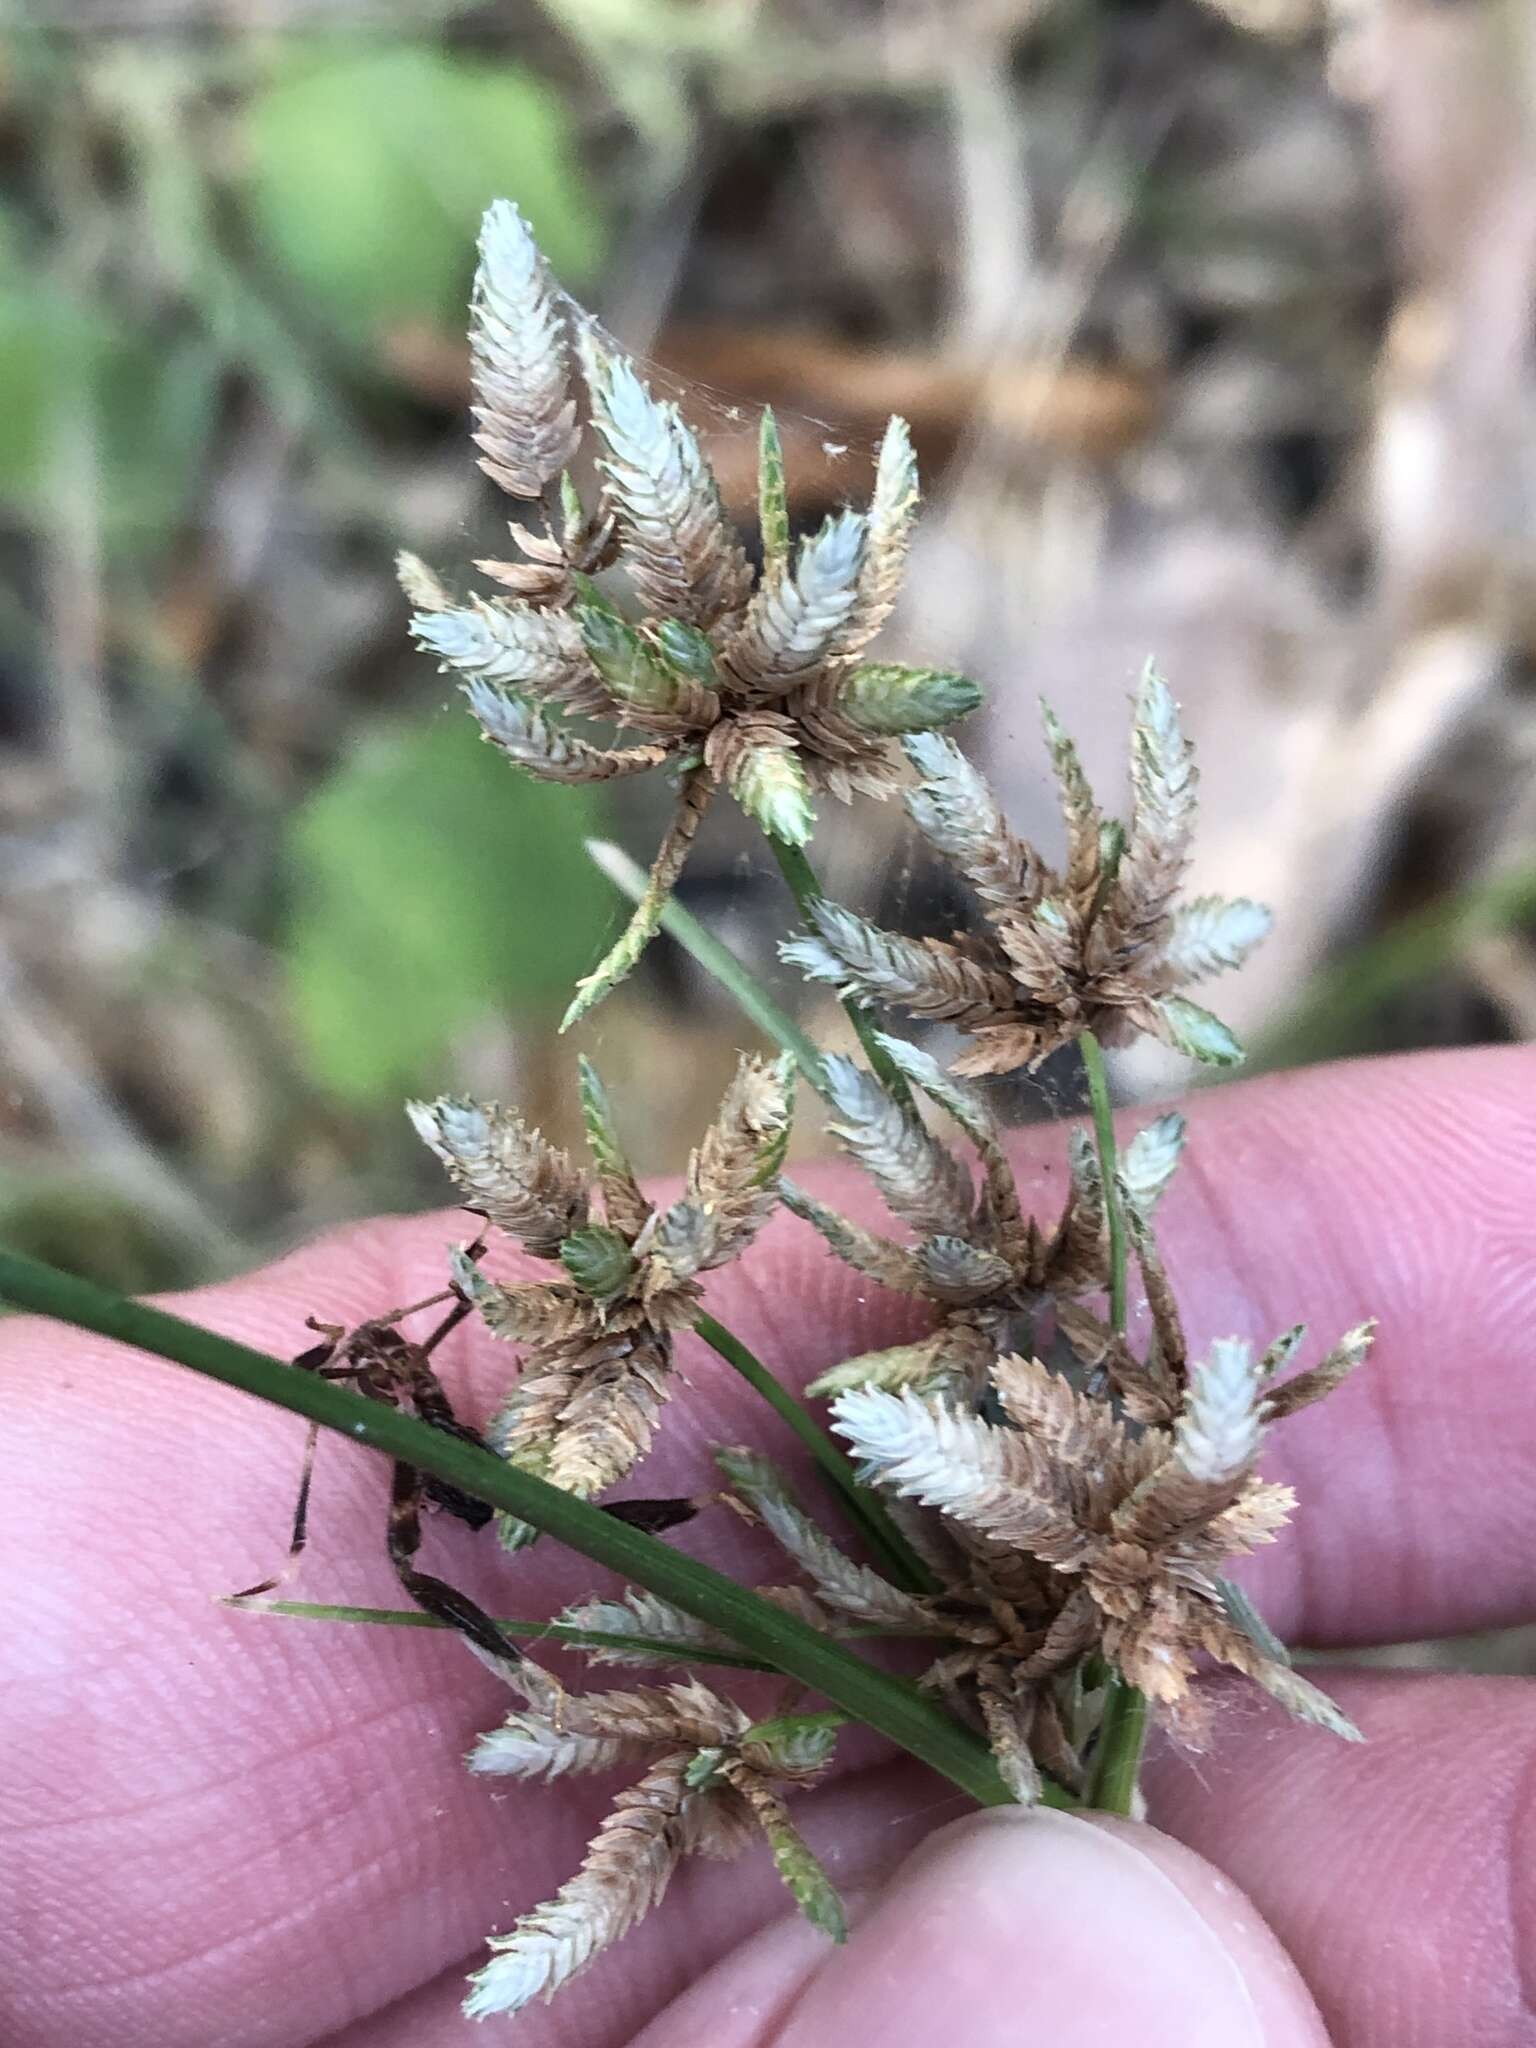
(1040, 1497)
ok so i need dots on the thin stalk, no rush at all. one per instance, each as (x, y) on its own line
(1123, 1728)
(1109, 1172)
(888, 1704)
(716, 959)
(533, 1631)
(881, 1533)
(1122, 1736)
(800, 877)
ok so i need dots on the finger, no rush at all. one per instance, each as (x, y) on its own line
(862, 1828)
(1400, 1875)
(1393, 1188)
(162, 1490)
(1010, 1926)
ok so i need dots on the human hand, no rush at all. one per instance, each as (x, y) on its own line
(221, 1829)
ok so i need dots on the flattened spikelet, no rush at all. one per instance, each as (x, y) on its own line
(1163, 782)
(924, 976)
(921, 1180)
(505, 1169)
(623, 1875)
(892, 514)
(679, 548)
(954, 809)
(525, 419)
(791, 625)
(513, 645)
(989, 1479)
(531, 741)
(1211, 934)
(878, 1257)
(1352, 1350)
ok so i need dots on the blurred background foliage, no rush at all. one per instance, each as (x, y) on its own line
(1211, 317)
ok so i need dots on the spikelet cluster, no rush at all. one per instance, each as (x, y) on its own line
(1103, 945)
(1061, 1503)
(752, 682)
(711, 1782)
(597, 1342)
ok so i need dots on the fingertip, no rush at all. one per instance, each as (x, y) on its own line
(1010, 1926)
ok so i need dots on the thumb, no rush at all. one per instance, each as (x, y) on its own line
(1014, 1927)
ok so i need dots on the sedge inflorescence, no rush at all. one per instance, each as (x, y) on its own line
(1061, 1487)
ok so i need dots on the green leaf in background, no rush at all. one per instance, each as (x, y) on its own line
(429, 886)
(76, 388)
(369, 169)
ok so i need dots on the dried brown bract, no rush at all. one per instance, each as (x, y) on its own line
(597, 1343)
(1103, 946)
(756, 683)
(712, 1784)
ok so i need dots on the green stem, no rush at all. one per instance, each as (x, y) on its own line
(881, 1533)
(1117, 1761)
(716, 959)
(1123, 1728)
(887, 1703)
(800, 876)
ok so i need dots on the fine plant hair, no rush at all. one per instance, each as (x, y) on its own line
(1046, 1490)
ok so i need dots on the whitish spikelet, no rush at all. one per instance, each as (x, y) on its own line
(535, 743)
(1163, 782)
(680, 551)
(993, 1480)
(851, 1588)
(655, 1629)
(892, 514)
(532, 1746)
(625, 1872)
(1210, 934)
(539, 652)
(525, 419)
(925, 976)
(1148, 1162)
(954, 809)
(506, 1169)
(423, 587)
(1217, 1437)
(921, 1180)
(1004, 1215)
(791, 624)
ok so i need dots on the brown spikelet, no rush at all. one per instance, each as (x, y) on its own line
(877, 1257)
(623, 1875)
(679, 549)
(921, 1180)
(505, 1169)
(618, 1388)
(927, 977)
(525, 418)
(892, 514)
